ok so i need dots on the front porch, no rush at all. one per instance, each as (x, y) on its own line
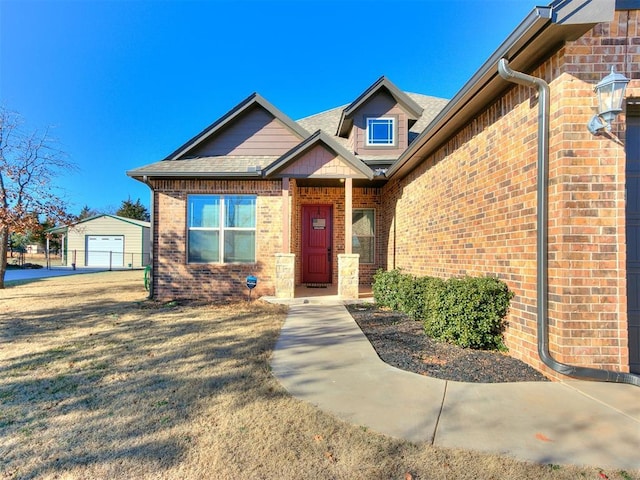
(329, 201)
(365, 293)
(325, 295)
(328, 237)
(348, 286)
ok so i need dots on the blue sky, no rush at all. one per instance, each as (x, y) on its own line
(124, 83)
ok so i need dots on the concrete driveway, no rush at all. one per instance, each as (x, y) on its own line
(36, 273)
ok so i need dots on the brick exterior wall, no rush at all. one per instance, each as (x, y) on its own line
(470, 209)
(175, 278)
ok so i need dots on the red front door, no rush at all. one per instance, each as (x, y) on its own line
(316, 243)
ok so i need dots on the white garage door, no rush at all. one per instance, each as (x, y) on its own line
(105, 251)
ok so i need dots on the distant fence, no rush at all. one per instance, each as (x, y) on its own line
(99, 259)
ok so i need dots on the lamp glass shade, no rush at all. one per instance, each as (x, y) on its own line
(610, 92)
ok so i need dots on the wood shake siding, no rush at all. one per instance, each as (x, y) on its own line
(258, 134)
(320, 162)
(470, 208)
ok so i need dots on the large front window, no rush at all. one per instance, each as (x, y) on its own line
(221, 229)
(363, 239)
(381, 131)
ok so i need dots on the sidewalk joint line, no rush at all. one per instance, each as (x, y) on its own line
(435, 429)
(600, 401)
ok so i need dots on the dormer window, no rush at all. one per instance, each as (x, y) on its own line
(381, 131)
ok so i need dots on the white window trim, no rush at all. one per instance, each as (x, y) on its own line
(373, 236)
(221, 229)
(394, 133)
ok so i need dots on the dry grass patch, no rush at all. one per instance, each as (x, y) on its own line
(97, 382)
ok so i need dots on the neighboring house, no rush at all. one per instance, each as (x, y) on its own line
(105, 241)
(35, 248)
(399, 180)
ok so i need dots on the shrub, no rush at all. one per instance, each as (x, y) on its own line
(387, 288)
(470, 312)
(414, 296)
(467, 311)
(421, 299)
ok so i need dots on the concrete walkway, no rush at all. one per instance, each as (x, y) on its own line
(323, 357)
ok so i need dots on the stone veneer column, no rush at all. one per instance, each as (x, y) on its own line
(348, 275)
(285, 275)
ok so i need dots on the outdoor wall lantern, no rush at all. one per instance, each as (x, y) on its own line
(610, 92)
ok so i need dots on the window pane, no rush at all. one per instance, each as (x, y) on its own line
(240, 212)
(363, 222)
(363, 239)
(204, 211)
(380, 131)
(364, 247)
(204, 246)
(239, 246)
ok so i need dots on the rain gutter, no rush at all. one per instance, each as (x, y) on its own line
(449, 120)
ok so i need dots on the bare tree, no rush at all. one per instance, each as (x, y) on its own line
(29, 163)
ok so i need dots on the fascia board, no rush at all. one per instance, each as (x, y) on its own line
(150, 174)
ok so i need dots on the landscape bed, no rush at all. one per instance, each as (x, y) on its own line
(401, 342)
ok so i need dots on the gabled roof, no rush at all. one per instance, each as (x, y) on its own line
(193, 160)
(251, 101)
(210, 167)
(64, 228)
(414, 111)
(319, 137)
(328, 120)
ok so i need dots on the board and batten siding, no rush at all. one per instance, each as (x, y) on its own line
(258, 133)
(137, 241)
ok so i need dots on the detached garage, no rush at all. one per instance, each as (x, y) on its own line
(105, 241)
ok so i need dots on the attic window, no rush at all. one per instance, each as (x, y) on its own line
(381, 131)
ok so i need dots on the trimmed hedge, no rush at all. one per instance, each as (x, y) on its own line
(467, 311)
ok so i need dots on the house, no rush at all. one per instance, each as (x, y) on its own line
(400, 180)
(258, 194)
(105, 241)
